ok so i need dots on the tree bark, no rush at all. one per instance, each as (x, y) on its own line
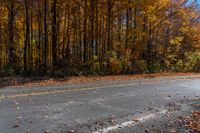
(27, 37)
(54, 33)
(11, 33)
(85, 34)
(109, 12)
(45, 35)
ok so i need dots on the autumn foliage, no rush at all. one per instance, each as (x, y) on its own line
(84, 37)
(193, 122)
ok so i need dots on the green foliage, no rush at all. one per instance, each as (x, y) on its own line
(178, 67)
(95, 65)
(9, 71)
(188, 63)
(170, 60)
(115, 65)
(176, 41)
(109, 37)
(155, 67)
(141, 66)
(192, 61)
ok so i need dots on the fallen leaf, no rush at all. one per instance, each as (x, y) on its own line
(71, 131)
(19, 118)
(45, 116)
(173, 131)
(46, 131)
(15, 126)
(136, 120)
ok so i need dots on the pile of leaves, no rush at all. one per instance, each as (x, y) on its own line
(193, 122)
(31, 81)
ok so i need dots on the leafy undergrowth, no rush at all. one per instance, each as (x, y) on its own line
(29, 81)
(193, 122)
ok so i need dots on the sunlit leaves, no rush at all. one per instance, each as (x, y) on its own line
(176, 41)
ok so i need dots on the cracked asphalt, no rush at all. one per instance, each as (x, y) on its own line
(97, 106)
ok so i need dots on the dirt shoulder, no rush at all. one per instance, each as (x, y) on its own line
(46, 81)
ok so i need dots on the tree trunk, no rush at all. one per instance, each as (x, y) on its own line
(27, 38)
(92, 28)
(97, 29)
(11, 33)
(85, 33)
(39, 34)
(45, 35)
(54, 33)
(109, 38)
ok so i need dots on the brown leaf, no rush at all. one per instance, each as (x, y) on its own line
(15, 126)
(136, 120)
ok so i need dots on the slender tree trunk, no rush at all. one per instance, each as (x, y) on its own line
(92, 28)
(97, 29)
(45, 35)
(68, 38)
(166, 43)
(54, 32)
(1, 40)
(27, 38)
(109, 36)
(149, 47)
(64, 33)
(128, 15)
(85, 33)
(134, 36)
(11, 33)
(39, 34)
(80, 36)
(31, 60)
(119, 27)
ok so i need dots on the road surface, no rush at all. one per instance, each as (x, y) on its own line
(134, 105)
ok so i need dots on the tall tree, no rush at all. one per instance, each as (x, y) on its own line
(11, 33)
(109, 21)
(27, 36)
(126, 36)
(45, 34)
(54, 32)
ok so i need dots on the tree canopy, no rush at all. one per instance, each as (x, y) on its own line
(73, 37)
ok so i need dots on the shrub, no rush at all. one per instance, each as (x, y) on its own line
(115, 64)
(192, 61)
(9, 71)
(178, 67)
(141, 66)
(155, 67)
(95, 67)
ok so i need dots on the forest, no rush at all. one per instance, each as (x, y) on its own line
(98, 37)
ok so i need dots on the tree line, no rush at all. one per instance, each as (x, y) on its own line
(73, 37)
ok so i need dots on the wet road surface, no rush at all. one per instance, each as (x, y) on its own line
(100, 106)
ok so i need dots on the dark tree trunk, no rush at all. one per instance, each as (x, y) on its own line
(149, 47)
(64, 32)
(54, 33)
(85, 33)
(45, 35)
(11, 33)
(39, 33)
(128, 20)
(92, 27)
(109, 36)
(27, 37)
(97, 29)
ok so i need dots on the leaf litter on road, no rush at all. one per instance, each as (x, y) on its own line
(193, 122)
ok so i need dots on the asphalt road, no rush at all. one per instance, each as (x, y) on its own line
(103, 106)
